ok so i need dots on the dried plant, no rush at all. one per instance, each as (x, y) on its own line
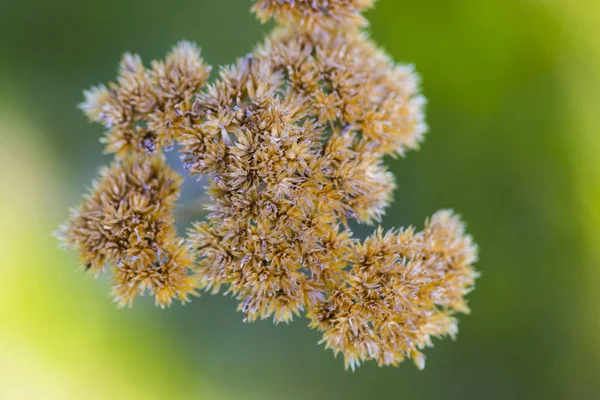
(292, 138)
(310, 14)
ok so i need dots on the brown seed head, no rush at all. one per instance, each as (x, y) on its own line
(310, 14)
(126, 221)
(292, 139)
(401, 289)
(146, 109)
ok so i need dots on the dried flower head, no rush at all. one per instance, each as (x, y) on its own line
(347, 80)
(401, 289)
(309, 14)
(126, 224)
(292, 138)
(146, 109)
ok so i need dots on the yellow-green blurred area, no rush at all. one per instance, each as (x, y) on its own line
(514, 146)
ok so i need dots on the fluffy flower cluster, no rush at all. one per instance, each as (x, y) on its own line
(292, 138)
(309, 14)
(125, 224)
(401, 289)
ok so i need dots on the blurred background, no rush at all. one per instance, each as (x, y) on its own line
(514, 144)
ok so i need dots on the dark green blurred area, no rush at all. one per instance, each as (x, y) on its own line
(513, 115)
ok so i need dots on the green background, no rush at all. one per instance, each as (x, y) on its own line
(514, 115)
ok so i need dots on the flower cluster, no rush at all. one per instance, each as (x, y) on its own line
(292, 138)
(401, 289)
(146, 109)
(311, 14)
(126, 222)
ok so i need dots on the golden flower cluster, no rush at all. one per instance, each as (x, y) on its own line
(126, 222)
(292, 138)
(314, 13)
(401, 289)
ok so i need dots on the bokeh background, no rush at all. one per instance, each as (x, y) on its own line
(514, 146)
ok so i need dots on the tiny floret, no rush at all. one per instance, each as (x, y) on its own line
(291, 139)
